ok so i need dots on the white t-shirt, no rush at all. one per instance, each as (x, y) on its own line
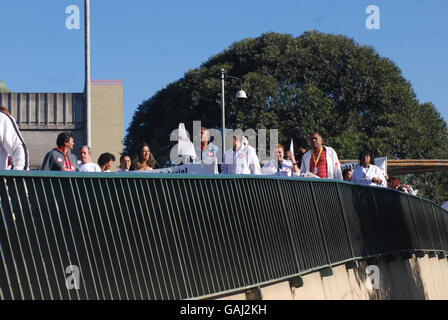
(363, 175)
(12, 144)
(208, 155)
(89, 167)
(243, 161)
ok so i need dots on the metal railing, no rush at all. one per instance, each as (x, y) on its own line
(140, 236)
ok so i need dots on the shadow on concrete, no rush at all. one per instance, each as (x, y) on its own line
(400, 279)
(389, 233)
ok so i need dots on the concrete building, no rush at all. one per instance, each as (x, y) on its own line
(107, 119)
(42, 116)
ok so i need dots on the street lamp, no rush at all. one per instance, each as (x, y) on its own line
(240, 95)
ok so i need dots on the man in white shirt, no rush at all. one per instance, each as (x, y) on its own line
(12, 144)
(240, 159)
(321, 161)
(279, 166)
(367, 173)
(85, 164)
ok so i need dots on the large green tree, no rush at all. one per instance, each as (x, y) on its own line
(357, 99)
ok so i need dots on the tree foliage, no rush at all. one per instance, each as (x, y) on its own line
(3, 88)
(357, 99)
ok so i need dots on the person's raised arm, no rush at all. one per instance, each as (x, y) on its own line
(295, 165)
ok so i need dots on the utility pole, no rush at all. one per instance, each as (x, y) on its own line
(223, 77)
(87, 88)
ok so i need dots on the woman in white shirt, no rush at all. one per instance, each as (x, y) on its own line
(279, 166)
(367, 173)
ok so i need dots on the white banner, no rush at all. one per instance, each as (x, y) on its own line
(379, 162)
(199, 169)
(445, 206)
(185, 147)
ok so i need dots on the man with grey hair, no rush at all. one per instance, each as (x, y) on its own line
(85, 164)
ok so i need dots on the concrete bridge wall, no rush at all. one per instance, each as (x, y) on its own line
(416, 278)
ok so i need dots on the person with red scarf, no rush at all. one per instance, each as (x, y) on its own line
(61, 158)
(321, 161)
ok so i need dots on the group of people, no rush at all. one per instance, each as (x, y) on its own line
(319, 162)
(369, 174)
(366, 173)
(61, 158)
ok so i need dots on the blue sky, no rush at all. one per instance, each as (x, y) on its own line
(149, 44)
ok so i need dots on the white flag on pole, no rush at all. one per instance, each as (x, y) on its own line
(445, 205)
(291, 147)
(185, 147)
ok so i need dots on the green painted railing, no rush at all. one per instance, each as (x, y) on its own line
(145, 236)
